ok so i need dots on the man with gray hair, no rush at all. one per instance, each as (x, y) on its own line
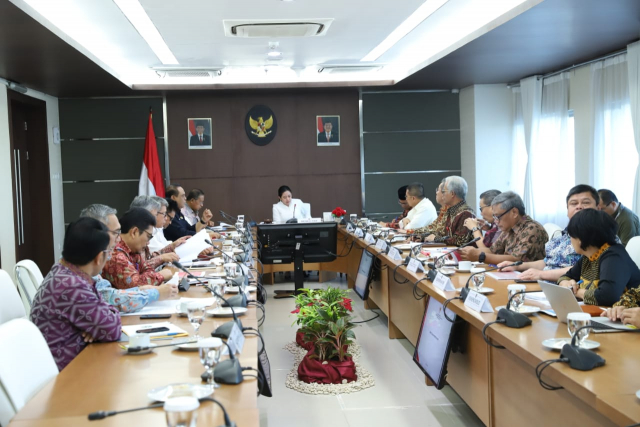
(126, 300)
(453, 231)
(522, 238)
(162, 221)
(422, 211)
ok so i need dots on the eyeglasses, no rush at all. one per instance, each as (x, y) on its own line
(149, 235)
(116, 233)
(164, 214)
(496, 218)
(480, 208)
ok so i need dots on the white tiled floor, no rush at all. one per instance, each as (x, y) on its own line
(399, 398)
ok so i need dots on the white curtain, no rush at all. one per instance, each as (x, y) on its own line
(552, 157)
(633, 67)
(519, 157)
(615, 155)
(531, 91)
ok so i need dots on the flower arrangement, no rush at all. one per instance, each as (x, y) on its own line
(338, 212)
(326, 331)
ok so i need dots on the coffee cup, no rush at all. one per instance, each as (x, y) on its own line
(139, 340)
(464, 265)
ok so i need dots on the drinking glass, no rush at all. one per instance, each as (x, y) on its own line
(518, 300)
(195, 311)
(576, 321)
(478, 278)
(181, 411)
(209, 357)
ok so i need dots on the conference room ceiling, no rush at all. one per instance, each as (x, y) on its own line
(536, 38)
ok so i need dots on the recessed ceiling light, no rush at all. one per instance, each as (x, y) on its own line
(274, 54)
(416, 18)
(136, 14)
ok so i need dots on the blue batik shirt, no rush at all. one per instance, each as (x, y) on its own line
(559, 252)
(125, 300)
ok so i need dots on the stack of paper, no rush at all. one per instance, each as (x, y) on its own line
(190, 249)
(172, 330)
(504, 275)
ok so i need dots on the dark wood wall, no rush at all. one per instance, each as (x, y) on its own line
(239, 177)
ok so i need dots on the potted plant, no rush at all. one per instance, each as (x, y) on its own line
(338, 213)
(326, 331)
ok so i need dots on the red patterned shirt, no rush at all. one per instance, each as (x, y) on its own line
(127, 269)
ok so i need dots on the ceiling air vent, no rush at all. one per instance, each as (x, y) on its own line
(187, 72)
(343, 69)
(276, 28)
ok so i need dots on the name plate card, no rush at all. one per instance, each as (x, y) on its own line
(381, 245)
(236, 339)
(368, 238)
(316, 220)
(478, 302)
(415, 266)
(394, 254)
(349, 227)
(443, 283)
(359, 232)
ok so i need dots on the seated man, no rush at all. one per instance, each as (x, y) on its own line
(477, 225)
(628, 223)
(126, 300)
(437, 226)
(402, 201)
(159, 242)
(127, 268)
(560, 255)
(453, 231)
(195, 202)
(522, 238)
(605, 270)
(179, 226)
(422, 211)
(67, 308)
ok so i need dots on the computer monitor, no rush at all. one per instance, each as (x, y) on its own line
(363, 278)
(318, 242)
(434, 342)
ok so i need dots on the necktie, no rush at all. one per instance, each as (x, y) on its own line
(200, 138)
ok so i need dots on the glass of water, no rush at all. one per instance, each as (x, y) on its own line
(181, 411)
(209, 349)
(196, 312)
(517, 298)
(478, 278)
(576, 321)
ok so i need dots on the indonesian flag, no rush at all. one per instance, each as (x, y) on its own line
(151, 176)
(192, 129)
(320, 125)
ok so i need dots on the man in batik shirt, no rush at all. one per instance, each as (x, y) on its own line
(128, 267)
(522, 238)
(450, 228)
(68, 295)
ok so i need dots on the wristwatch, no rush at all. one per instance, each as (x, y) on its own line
(482, 257)
(474, 229)
(202, 222)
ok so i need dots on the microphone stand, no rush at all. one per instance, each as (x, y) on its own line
(513, 319)
(464, 292)
(224, 330)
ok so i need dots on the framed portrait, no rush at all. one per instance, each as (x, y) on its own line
(328, 131)
(199, 134)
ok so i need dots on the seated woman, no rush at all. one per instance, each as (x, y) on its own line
(605, 268)
(288, 207)
(627, 310)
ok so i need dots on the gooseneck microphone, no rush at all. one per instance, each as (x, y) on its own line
(228, 371)
(464, 292)
(433, 265)
(513, 319)
(224, 330)
(293, 220)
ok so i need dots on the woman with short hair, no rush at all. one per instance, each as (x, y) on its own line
(288, 207)
(605, 268)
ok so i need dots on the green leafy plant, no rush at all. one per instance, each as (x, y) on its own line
(323, 317)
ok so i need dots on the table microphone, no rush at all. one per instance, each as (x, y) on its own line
(580, 358)
(223, 330)
(513, 319)
(433, 265)
(228, 371)
(465, 291)
(293, 220)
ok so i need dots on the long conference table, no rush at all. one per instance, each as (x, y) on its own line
(102, 377)
(500, 385)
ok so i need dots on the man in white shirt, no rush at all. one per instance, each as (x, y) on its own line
(422, 211)
(162, 221)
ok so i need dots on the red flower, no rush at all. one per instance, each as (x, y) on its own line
(339, 211)
(346, 303)
(296, 311)
(310, 304)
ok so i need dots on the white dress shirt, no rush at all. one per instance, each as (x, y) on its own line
(282, 212)
(159, 241)
(422, 214)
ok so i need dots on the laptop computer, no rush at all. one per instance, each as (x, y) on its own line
(564, 302)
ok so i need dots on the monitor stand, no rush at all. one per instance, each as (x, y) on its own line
(298, 273)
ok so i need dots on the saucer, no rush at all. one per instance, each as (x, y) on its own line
(482, 290)
(525, 309)
(226, 311)
(236, 289)
(163, 393)
(138, 353)
(558, 343)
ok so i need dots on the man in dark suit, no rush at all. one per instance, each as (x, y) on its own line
(328, 135)
(200, 139)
